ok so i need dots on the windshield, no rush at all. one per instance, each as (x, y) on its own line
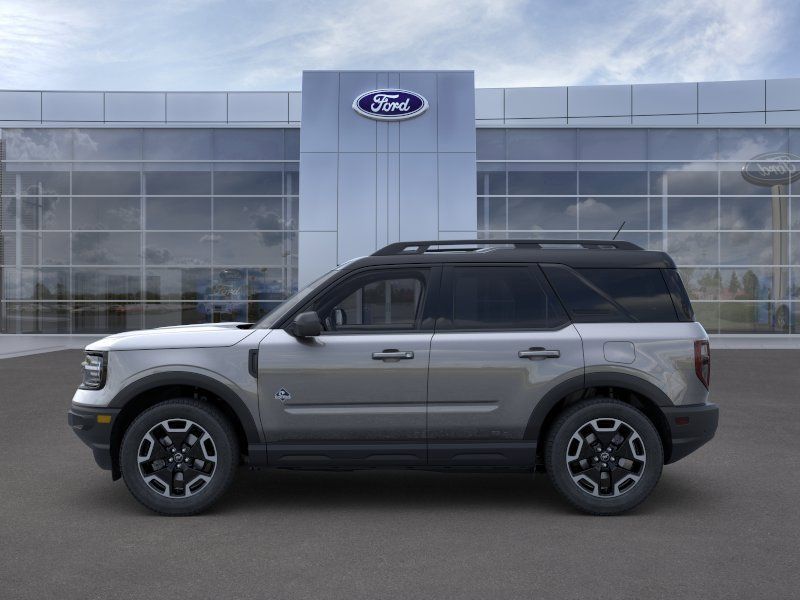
(288, 305)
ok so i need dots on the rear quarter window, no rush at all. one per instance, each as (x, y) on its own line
(613, 295)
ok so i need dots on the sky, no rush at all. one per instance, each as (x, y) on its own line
(249, 45)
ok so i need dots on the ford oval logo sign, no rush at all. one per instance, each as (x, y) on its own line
(772, 168)
(390, 105)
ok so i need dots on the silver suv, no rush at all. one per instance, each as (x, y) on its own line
(580, 358)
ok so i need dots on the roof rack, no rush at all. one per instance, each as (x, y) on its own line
(421, 247)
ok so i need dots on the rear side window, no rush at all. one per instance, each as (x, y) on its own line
(679, 296)
(495, 297)
(594, 295)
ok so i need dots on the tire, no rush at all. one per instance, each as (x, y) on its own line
(632, 469)
(203, 440)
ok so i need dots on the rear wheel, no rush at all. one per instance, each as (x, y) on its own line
(179, 457)
(604, 456)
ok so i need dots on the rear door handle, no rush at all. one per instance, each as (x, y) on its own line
(393, 354)
(538, 353)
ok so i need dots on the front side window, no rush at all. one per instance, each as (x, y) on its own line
(374, 302)
(495, 297)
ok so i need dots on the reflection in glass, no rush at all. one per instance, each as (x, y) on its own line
(683, 180)
(524, 180)
(692, 213)
(492, 214)
(248, 144)
(692, 248)
(609, 213)
(35, 182)
(265, 248)
(743, 248)
(106, 317)
(106, 284)
(46, 248)
(249, 182)
(701, 283)
(542, 213)
(44, 212)
(178, 183)
(118, 183)
(177, 284)
(176, 313)
(36, 317)
(171, 248)
(611, 182)
(105, 213)
(178, 213)
(249, 213)
(105, 248)
(492, 179)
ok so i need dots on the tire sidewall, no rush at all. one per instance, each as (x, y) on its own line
(214, 424)
(563, 431)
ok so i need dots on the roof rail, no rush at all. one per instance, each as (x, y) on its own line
(421, 247)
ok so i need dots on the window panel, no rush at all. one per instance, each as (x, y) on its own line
(748, 248)
(542, 213)
(108, 144)
(104, 248)
(291, 141)
(750, 317)
(178, 213)
(692, 213)
(238, 249)
(47, 248)
(707, 314)
(609, 213)
(612, 182)
(693, 248)
(106, 213)
(696, 180)
(36, 317)
(745, 144)
(249, 182)
(525, 180)
(173, 248)
(45, 212)
(733, 182)
(248, 144)
(166, 314)
(178, 284)
(179, 182)
(492, 213)
(542, 144)
(38, 144)
(36, 182)
(682, 144)
(387, 302)
(106, 317)
(753, 213)
(491, 179)
(36, 284)
(612, 144)
(248, 213)
(491, 144)
(701, 284)
(754, 283)
(177, 144)
(106, 284)
(118, 183)
(643, 293)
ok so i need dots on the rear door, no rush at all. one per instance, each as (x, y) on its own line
(502, 342)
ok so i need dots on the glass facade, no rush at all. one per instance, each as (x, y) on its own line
(737, 243)
(105, 230)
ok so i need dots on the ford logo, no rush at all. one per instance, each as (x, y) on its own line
(390, 105)
(772, 168)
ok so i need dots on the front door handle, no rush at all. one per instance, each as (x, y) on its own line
(393, 354)
(538, 353)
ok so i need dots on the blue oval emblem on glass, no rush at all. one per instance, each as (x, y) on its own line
(772, 168)
(390, 105)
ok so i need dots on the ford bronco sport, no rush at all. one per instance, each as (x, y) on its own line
(581, 358)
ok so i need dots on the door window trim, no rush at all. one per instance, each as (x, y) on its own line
(430, 276)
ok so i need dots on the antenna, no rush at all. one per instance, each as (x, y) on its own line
(618, 230)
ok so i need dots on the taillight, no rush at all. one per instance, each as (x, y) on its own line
(702, 361)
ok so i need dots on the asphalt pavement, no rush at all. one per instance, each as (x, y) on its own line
(722, 523)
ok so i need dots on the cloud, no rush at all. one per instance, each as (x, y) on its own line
(266, 45)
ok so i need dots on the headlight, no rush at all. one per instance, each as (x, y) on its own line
(94, 371)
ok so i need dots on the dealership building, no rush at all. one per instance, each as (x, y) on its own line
(125, 210)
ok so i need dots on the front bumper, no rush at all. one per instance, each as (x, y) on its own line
(690, 427)
(93, 431)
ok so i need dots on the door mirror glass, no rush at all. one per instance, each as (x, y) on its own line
(306, 325)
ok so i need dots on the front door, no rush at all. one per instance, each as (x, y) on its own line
(356, 394)
(503, 341)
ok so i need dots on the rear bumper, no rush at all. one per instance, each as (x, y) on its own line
(690, 427)
(95, 434)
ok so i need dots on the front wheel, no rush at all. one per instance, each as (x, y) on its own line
(179, 456)
(604, 456)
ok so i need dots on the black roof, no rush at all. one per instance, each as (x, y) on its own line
(573, 253)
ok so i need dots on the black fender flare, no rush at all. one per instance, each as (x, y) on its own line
(228, 396)
(590, 380)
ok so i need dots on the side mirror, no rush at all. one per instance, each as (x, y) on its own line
(306, 325)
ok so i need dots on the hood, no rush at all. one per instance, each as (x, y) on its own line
(216, 335)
